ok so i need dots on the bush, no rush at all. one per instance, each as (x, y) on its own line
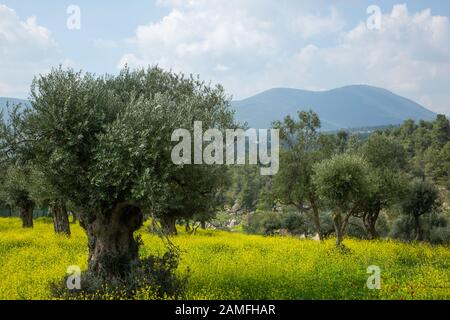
(263, 222)
(152, 279)
(403, 228)
(270, 223)
(436, 228)
(294, 223)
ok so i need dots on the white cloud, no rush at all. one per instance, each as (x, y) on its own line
(258, 44)
(312, 25)
(224, 41)
(196, 41)
(409, 55)
(26, 50)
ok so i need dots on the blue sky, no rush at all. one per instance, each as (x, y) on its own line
(247, 45)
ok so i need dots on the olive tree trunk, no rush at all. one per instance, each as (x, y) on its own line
(339, 236)
(26, 214)
(340, 222)
(370, 222)
(168, 224)
(61, 220)
(113, 250)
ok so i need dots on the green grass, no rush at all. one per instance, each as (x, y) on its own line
(238, 266)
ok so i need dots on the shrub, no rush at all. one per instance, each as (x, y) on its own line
(263, 222)
(436, 229)
(152, 278)
(294, 223)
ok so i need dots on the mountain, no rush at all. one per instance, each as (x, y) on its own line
(342, 108)
(5, 102)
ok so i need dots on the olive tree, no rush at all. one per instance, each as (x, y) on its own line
(23, 186)
(104, 144)
(14, 173)
(43, 194)
(341, 182)
(14, 191)
(421, 199)
(302, 149)
(387, 180)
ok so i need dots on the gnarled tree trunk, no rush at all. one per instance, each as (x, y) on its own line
(168, 224)
(370, 221)
(113, 249)
(61, 220)
(26, 214)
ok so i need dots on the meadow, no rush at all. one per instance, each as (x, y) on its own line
(238, 266)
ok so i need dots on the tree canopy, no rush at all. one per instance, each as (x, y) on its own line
(104, 143)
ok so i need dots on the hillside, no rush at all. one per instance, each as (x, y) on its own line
(346, 107)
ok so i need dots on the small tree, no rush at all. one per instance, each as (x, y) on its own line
(14, 173)
(301, 150)
(43, 194)
(387, 161)
(246, 186)
(441, 131)
(437, 165)
(422, 198)
(341, 182)
(14, 191)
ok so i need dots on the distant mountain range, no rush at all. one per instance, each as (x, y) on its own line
(348, 107)
(343, 108)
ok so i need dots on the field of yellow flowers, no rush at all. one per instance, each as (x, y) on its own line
(238, 266)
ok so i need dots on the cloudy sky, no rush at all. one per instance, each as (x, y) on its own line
(247, 45)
